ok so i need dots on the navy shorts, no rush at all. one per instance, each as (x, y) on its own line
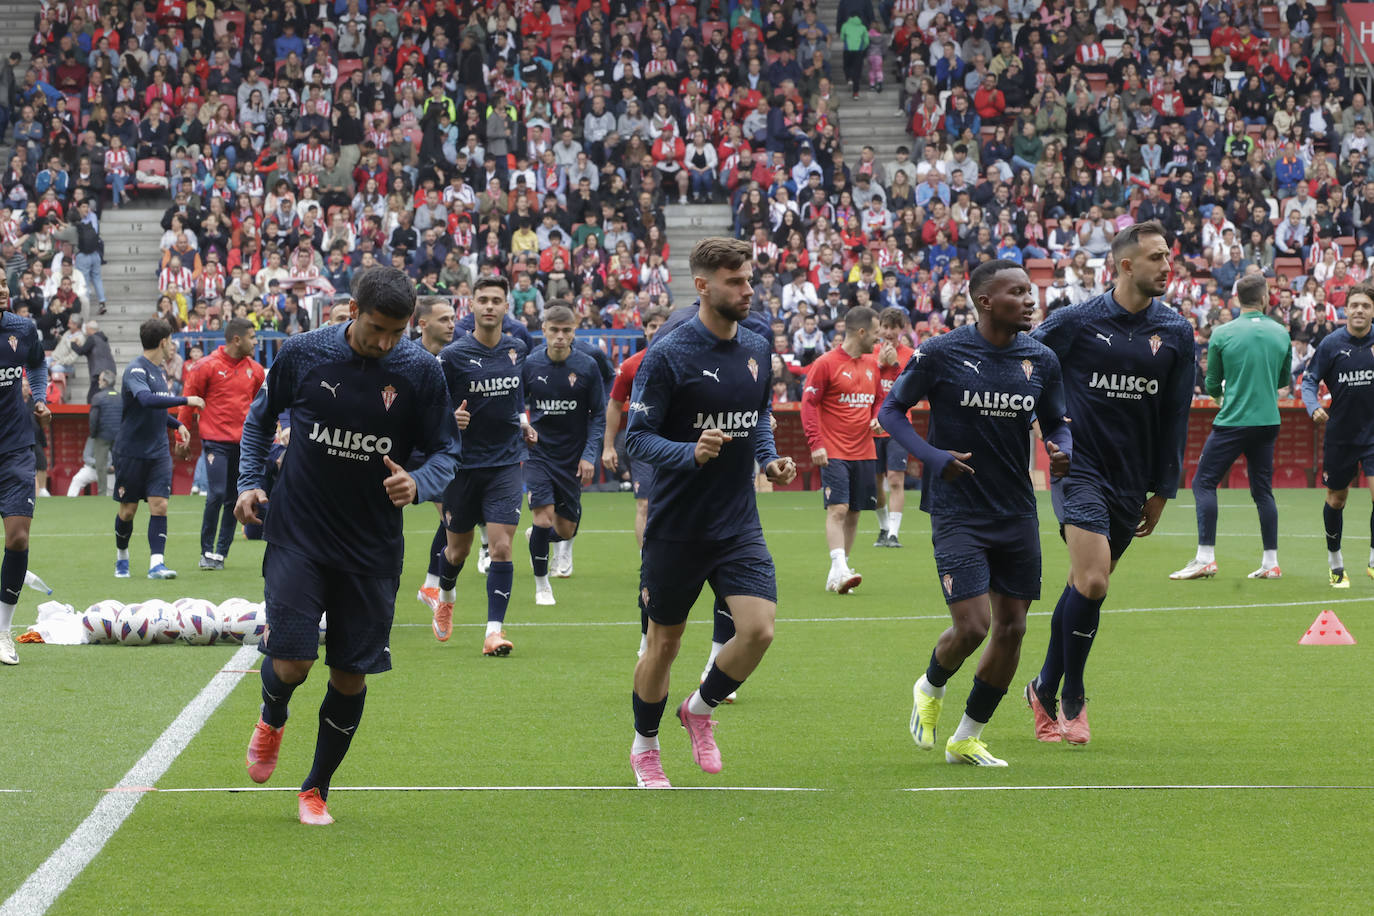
(222, 471)
(977, 556)
(549, 484)
(298, 590)
(891, 456)
(672, 573)
(641, 477)
(16, 483)
(1093, 506)
(1341, 464)
(488, 496)
(850, 483)
(142, 478)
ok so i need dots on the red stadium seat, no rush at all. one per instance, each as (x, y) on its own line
(224, 17)
(152, 166)
(346, 68)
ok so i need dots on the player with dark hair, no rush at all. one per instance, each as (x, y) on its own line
(986, 384)
(1128, 378)
(362, 397)
(483, 370)
(892, 355)
(567, 403)
(142, 462)
(1345, 362)
(434, 321)
(561, 560)
(227, 380)
(699, 413)
(21, 353)
(839, 413)
(1250, 359)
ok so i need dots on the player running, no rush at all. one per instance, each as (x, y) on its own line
(1250, 359)
(434, 319)
(986, 383)
(142, 463)
(699, 413)
(21, 352)
(1128, 378)
(567, 404)
(361, 396)
(1345, 362)
(892, 355)
(839, 413)
(227, 381)
(483, 372)
(640, 472)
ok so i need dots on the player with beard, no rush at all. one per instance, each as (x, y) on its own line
(892, 354)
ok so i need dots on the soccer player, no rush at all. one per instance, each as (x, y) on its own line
(839, 413)
(1128, 379)
(1248, 359)
(483, 372)
(362, 398)
(561, 560)
(986, 383)
(434, 319)
(640, 473)
(227, 380)
(1345, 362)
(21, 351)
(699, 413)
(567, 404)
(142, 462)
(892, 355)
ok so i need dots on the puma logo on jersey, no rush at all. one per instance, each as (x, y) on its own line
(714, 374)
(1106, 338)
(475, 362)
(1346, 352)
(543, 378)
(505, 595)
(846, 374)
(974, 366)
(332, 389)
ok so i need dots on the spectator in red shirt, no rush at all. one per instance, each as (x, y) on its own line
(989, 101)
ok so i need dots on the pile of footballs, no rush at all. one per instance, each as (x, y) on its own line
(193, 621)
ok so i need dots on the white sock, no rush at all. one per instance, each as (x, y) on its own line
(837, 563)
(6, 616)
(482, 530)
(642, 744)
(930, 689)
(565, 548)
(968, 728)
(715, 650)
(154, 560)
(494, 626)
(431, 580)
(448, 594)
(696, 705)
(542, 582)
(121, 554)
(1335, 560)
(1371, 556)
(1269, 559)
(882, 518)
(643, 644)
(894, 523)
(1206, 554)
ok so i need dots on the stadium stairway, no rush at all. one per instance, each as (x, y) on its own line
(17, 18)
(687, 224)
(873, 119)
(132, 236)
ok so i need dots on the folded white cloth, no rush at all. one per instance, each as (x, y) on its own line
(59, 624)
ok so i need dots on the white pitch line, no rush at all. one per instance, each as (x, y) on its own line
(1140, 788)
(1144, 787)
(234, 789)
(49, 880)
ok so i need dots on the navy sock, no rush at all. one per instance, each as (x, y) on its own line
(500, 575)
(1052, 671)
(555, 537)
(648, 715)
(938, 674)
(983, 700)
(448, 573)
(1333, 520)
(716, 686)
(722, 624)
(12, 570)
(339, 718)
(276, 694)
(1205, 500)
(1081, 616)
(436, 550)
(1371, 527)
(124, 531)
(539, 550)
(157, 534)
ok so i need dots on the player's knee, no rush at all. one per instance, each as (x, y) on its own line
(457, 553)
(292, 670)
(662, 644)
(1336, 500)
(755, 634)
(1010, 632)
(17, 539)
(1091, 585)
(970, 632)
(347, 682)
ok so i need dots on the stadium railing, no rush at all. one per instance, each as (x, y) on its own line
(269, 342)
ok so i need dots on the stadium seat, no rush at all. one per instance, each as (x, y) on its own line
(152, 166)
(346, 68)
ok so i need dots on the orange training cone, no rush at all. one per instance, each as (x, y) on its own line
(1327, 630)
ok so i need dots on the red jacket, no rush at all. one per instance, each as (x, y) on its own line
(990, 104)
(228, 386)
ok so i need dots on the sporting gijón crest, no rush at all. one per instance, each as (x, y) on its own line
(388, 396)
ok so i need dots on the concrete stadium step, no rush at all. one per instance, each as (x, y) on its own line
(688, 224)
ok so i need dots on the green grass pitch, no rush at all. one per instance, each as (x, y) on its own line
(1191, 684)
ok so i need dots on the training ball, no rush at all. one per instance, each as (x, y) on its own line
(166, 626)
(136, 627)
(200, 626)
(100, 619)
(244, 623)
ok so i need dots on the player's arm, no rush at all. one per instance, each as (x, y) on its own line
(1054, 426)
(1311, 384)
(1216, 357)
(1285, 379)
(441, 445)
(596, 421)
(137, 383)
(649, 400)
(260, 425)
(1173, 438)
(195, 385)
(817, 381)
(37, 370)
(909, 389)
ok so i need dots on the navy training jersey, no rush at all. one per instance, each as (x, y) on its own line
(346, 412)
(567, 404)
(1128, 379)
(489, 379)
(1346, 364)
(21, 350)
(598, 355)
(691, 380)
(145, 420)
(983, 399)
(509, 325)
